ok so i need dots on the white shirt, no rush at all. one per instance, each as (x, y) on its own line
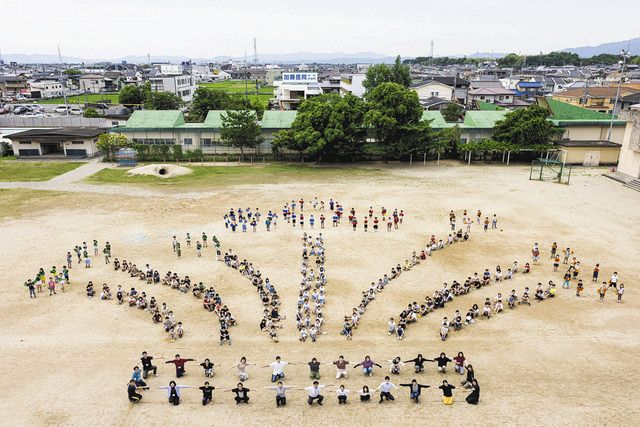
(278, 367)
(344, 392)
(314, 391)
(386, 387)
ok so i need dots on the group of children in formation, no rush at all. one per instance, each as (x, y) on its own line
(160, 314)
(494, 307)
(59, 279)
(199, 246)
(314, 392)
(447, 293)
(56, 280)
(351, 321)
(293, 213)
(573, 271)
(467, 221)
(271, 319)
(311, 298)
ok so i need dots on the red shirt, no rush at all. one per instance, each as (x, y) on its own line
(179, 362)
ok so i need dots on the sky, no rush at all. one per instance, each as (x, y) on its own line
(208, 28)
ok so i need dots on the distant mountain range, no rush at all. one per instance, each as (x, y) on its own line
(279, 58)
(308, 57)
(613, 48)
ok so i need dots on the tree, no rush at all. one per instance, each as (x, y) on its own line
(285, 140)
(346, 130)
(447, 138)
(401, 73)
(240, 129)
(162, 101)
(91, 113)
(453, 112)
(394, 117)
(328, 125)
(527, 128)
(206, 99)
(382, 73)
(110, 143)
(177, 151)
(131, 95)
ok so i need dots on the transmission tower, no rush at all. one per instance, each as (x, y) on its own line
(255, 51)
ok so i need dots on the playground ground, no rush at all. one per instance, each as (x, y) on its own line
(572, 361)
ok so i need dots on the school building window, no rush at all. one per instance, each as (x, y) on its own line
(208, 142)
(77, 142)
(188, 141)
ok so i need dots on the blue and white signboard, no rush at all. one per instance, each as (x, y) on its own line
(300, 77)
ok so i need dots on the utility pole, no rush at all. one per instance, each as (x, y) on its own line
(625, 55)
(4, 77)
(64, 93)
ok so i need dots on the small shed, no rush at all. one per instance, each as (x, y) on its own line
(590, 153)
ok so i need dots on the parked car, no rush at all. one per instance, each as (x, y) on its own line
(19, 109)
(36, 108)
(76, 111)
(61, 109)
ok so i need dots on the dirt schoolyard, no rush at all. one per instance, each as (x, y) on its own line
(568, 360)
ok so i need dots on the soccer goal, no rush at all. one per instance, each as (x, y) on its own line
(550, 170)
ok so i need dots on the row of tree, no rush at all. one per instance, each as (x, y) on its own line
(204, 100)
(513, 60)
(388, 124)
(136, 96)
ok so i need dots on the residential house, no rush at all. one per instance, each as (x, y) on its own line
(13, 85)
(626, 102)
(552, 84)
(92, 83)
(432, 89)
(202, 72)
(529, 90)
(46, 88)
(599, 99)
(56, 142)
(183, 86)
(459, 84)
(498, 96)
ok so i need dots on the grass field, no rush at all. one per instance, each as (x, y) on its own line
(221, 176)
(19, 170)
(238, 86)
(82, 99)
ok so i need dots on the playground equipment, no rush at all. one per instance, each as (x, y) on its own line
(127, 157)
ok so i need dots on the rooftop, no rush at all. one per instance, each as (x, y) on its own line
(483, 119)
(59, 133)
(155, 119)
(278, 119)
